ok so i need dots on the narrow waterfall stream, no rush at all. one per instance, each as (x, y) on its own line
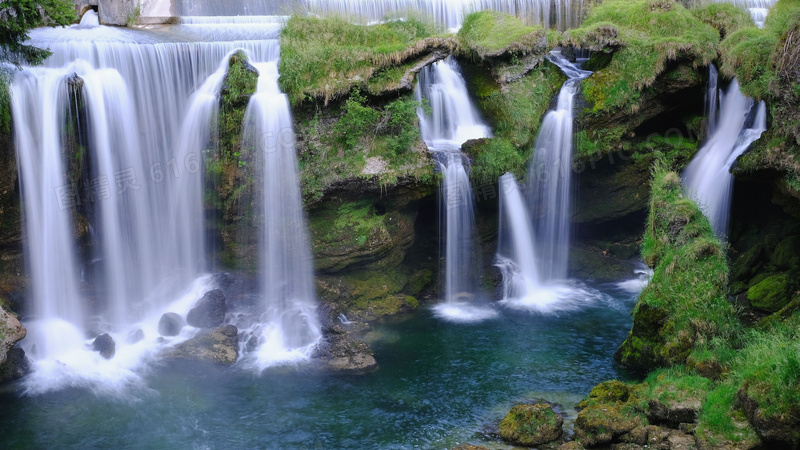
(452, 121)
(534, 232)
(707, 178)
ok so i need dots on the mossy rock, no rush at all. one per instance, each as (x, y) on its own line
(358, 234)
(785, 255)
(531, 425)
(771, 294)
(643, 347)
(369, 295)
(601, 424)
(610, 392)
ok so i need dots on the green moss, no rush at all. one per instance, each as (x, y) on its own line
(643, 36)
(531, 425)
(494, 157)
(326, 57)
(685, 302)
(725, 17)
(515, 109)
(770, 294)
(5, 103)
(490, 32)
(608, 392)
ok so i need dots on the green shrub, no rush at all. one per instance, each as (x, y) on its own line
(358, 122)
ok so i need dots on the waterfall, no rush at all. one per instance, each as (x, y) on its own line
(516, 248)
(147, 100)
(559, 14)
(758, 9)
(550, 175)
(533, 241)
(707, 178)
(288, 328)
(453, 120)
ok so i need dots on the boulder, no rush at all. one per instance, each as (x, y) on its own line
(209, 311)
(105, 345)
(15, 366)
(531, 425)
(343, 353)
(770, 294)
(779, 430)
(11, 332)
(674, 413)
(217, 346)
(170, 324)
(607, 392)
(600, 424)
(135, 336)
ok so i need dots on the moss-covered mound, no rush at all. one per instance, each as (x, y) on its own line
(685, 303)
(325, 58)
(643, 36)
(531, 425)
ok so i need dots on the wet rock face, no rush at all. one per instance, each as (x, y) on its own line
(11, 332)
(15, 366)
(105, 345)
(209, 311)
(343, 353)
(218, 346)
(531, 425)
(170, 324)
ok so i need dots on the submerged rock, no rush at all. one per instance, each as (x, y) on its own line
(531, 425)
(209, 311)
(218, 346)
(342, 352)
(170, 324)
(105, 345)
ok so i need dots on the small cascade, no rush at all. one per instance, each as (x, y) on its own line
(289, 329)
(516, 248)
(758, 9)
(707, 178)
(145, 102)
(550, 174)
(712, 100)
(533, 240)
(453, 120)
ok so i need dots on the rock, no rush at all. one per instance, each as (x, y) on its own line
(15, 366)
(599, 424)
(531, 425)
(469, 447)
(785, 255)
(571, 446)
(770, 294)
(607, 392)
(209, 311)
(135, 336)
(674, 414)
(342, 352)
(782, 431)
(170, 324)
(11, 332)
(218, 346)
(116, 12)
(105, 345)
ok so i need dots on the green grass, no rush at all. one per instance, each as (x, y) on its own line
(5, 102)
(750, 54)
(494, 157)
(490, 32)
(644, 37)
(725, 17)
(685, 303)
(325, 58)
(515, 110)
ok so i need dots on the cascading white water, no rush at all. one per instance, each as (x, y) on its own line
(453, 120)
(533, 240)
(516, 250)
(148, 99)
(559, 14)
(707, 178)
(550, 175)
(289, 329)
(712, 100)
